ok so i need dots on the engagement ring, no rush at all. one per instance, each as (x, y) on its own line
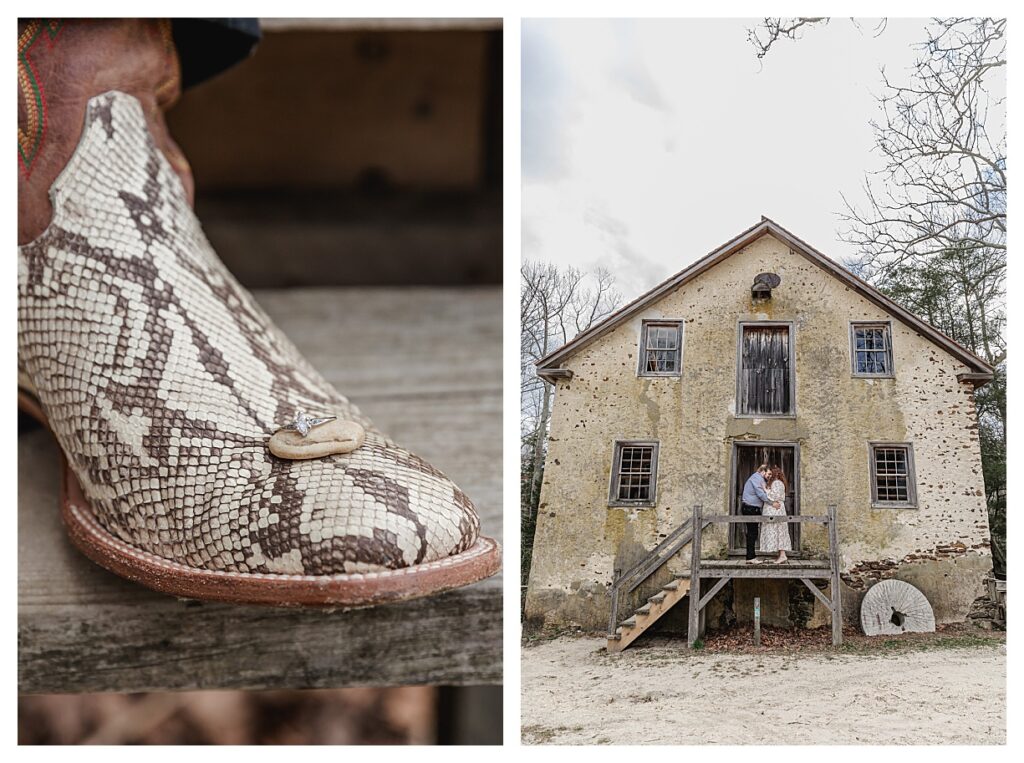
(304, 422)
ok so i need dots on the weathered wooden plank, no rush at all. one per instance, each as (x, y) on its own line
(695, 572)
(711, 592)
(644, 617)
(633, 578)
(837, 604)
(765, 382)
(800, 564)
(814, 589)
(764, 520)
(657, 558)
(769, 571)
(414, 122)
(757, 621)
(380, 344)
(437, 390)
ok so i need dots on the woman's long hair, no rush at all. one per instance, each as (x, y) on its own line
(778, 474)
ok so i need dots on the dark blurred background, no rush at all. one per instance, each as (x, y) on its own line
(343, 152)
(353, 152)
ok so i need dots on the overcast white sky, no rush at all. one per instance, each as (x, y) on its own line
(647, 143)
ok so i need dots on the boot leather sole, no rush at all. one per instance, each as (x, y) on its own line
(342, 591)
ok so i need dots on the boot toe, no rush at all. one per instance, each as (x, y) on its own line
(377, 508)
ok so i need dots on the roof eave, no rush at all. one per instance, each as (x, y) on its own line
(976, 379)
(745, 238)
(872, 294)
(552, 375)
(765, 226)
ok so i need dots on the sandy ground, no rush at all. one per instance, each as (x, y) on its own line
(576, 693)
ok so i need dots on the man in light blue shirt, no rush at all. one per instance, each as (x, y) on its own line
(755, 496)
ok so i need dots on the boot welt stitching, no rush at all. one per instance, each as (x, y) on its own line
(90, 525)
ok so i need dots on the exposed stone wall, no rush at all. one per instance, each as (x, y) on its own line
(580, 540)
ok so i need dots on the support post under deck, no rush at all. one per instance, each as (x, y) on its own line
(693, 628)
(833, 554)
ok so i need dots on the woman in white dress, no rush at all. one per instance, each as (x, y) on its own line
(775, 535)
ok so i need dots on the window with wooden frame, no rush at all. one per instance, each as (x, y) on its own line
(893, 482)
(765, 384)
(661, 348)
(634, 473)
(871, 349)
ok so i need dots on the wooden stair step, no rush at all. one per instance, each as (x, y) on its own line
(670, 594)
(630, 629)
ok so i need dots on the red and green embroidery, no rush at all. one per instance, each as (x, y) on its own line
(30, 137)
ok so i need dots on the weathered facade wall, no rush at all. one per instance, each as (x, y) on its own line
(580, 540)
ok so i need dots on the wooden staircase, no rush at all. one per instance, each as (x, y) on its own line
(621, 635)
(643, 618)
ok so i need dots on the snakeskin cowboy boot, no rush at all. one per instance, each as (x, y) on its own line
(204, 456)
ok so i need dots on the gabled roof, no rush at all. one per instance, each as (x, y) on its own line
(548, 366)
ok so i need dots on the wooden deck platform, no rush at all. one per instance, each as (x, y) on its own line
(426, 365)
(804, 570)
(739, 568)
(689, 584)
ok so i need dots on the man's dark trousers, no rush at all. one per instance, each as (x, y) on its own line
(753, 528)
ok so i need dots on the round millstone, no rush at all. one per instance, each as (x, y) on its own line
(892, 607)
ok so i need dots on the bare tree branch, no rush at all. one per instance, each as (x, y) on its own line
(942, 137)
(556, 304)
(771, 30)
(931, 232)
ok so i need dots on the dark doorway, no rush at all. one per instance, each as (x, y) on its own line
(746, 457)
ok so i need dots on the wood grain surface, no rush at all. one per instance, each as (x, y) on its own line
(330, 108)
(425, 364)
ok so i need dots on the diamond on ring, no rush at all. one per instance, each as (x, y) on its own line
(303, 422)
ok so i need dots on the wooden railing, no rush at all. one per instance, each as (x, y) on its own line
(699, 601)
(627, 582)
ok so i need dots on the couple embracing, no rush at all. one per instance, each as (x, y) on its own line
(765, 493)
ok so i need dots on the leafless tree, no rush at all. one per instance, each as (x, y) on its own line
(771, 30)
(932, 232)
(935, 213)
(942, 138)
(556, 305)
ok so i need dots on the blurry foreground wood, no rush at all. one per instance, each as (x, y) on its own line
(341, 716)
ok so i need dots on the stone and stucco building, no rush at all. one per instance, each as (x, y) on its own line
(674, 399)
